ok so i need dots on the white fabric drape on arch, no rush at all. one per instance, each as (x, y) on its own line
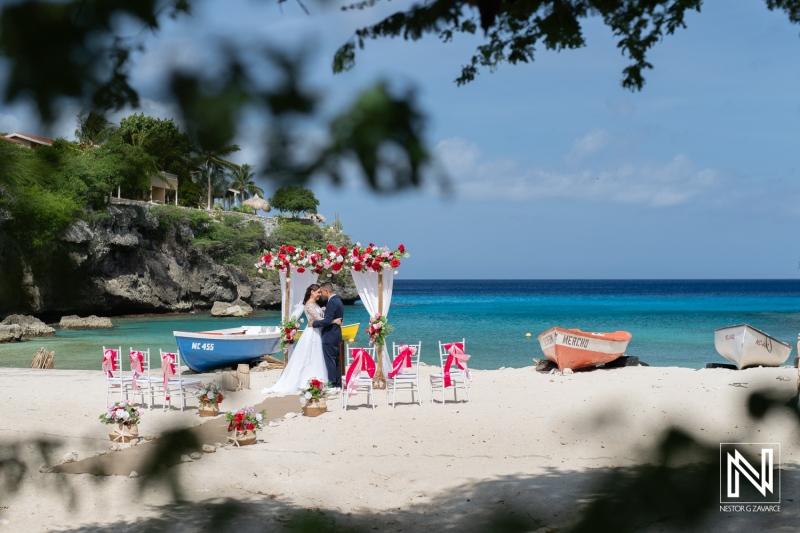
(367, 286)
(297, 289)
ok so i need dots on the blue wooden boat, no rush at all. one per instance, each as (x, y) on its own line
(217, 348)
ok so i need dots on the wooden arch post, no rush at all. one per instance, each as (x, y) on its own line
(379, 381)
(287, 304)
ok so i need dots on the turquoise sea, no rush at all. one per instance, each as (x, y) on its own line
(672, 321)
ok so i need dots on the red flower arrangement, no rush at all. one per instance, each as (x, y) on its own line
(245, 419)
(332, 260)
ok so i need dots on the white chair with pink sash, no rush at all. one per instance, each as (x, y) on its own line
(358, 376)
(405, 370)
(141, 382)
(172, 381)
(454, 369)
(112, 368)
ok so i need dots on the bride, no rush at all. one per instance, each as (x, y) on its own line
(307, 360)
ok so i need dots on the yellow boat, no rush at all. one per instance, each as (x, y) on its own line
(349, 333)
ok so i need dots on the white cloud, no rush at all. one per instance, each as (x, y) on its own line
(671, 183)
(588, 145)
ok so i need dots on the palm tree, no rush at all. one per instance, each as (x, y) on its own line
(210, 159)
(243, 180)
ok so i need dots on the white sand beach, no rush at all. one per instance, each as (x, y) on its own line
(527, 441)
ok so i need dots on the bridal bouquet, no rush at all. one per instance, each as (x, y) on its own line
(289, 329)
(378, 330)
(121, 413)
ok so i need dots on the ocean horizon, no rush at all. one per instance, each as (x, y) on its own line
(672, 321)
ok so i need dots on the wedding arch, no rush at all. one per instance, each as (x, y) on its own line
(372, 269)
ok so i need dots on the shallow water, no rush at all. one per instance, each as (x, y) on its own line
(672, 322)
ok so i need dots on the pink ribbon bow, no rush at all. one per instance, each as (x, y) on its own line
(455, 354)
(110, 362)
(403, 359)
(137, 366)
(168, 368)
(361, 362)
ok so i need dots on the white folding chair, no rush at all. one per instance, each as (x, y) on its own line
(112, 367)
(141, 381)
(457, 376)
(172, 380)
(364, 382)
(406, 376)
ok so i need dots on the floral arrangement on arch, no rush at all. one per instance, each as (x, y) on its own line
(210, 393)
(245, 419)
(332, 260)
(289, 329)
(374, 259)
(121, 413)
(316, 390)
(378, 330)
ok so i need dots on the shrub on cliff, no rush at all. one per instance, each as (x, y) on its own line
(233, 241)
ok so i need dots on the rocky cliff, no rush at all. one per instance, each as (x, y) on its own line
(130, 260)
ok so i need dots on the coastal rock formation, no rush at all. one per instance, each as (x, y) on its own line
(90, 322)
(10, 333)
(237, 308)
(29, 326)
(132, 259)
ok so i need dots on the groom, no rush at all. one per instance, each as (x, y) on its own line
(331, 333)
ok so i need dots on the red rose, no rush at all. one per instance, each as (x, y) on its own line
(357, 267)
(250, 426)
(283, 248)
(318, 270)
(219, 398)
(401, 249)
(395, 263)
(343, 250)
(302, 253)
(369, 249)
(230, 426)
(376, 265)
(336, 267)
(290, 249)
(330, 248)
(355, 252)
(301, 269)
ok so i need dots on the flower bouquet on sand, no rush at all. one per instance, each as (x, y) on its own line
(242, 425)
(313, 397)
(289, 329)
(125, 419)
(210, 396)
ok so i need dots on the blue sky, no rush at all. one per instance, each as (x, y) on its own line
(558, 171)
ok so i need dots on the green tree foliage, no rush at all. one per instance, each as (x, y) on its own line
(513, 29)
(89, 55)
(161, 138)
(308, 236)
(233, 241)
(93, 128)
(38, 215)
(243, 180)
(295, 200)
(213, 159)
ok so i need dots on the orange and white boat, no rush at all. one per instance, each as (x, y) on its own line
(573, 348)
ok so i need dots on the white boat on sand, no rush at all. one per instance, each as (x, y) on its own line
(746, 346)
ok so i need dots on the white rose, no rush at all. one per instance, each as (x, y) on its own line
(259, 417)
(307, 395)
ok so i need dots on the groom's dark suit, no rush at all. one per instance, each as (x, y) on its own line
(331, 338)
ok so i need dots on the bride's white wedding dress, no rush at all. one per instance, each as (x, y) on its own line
(307, 360)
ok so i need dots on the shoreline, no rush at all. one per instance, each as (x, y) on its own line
(534, 441)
